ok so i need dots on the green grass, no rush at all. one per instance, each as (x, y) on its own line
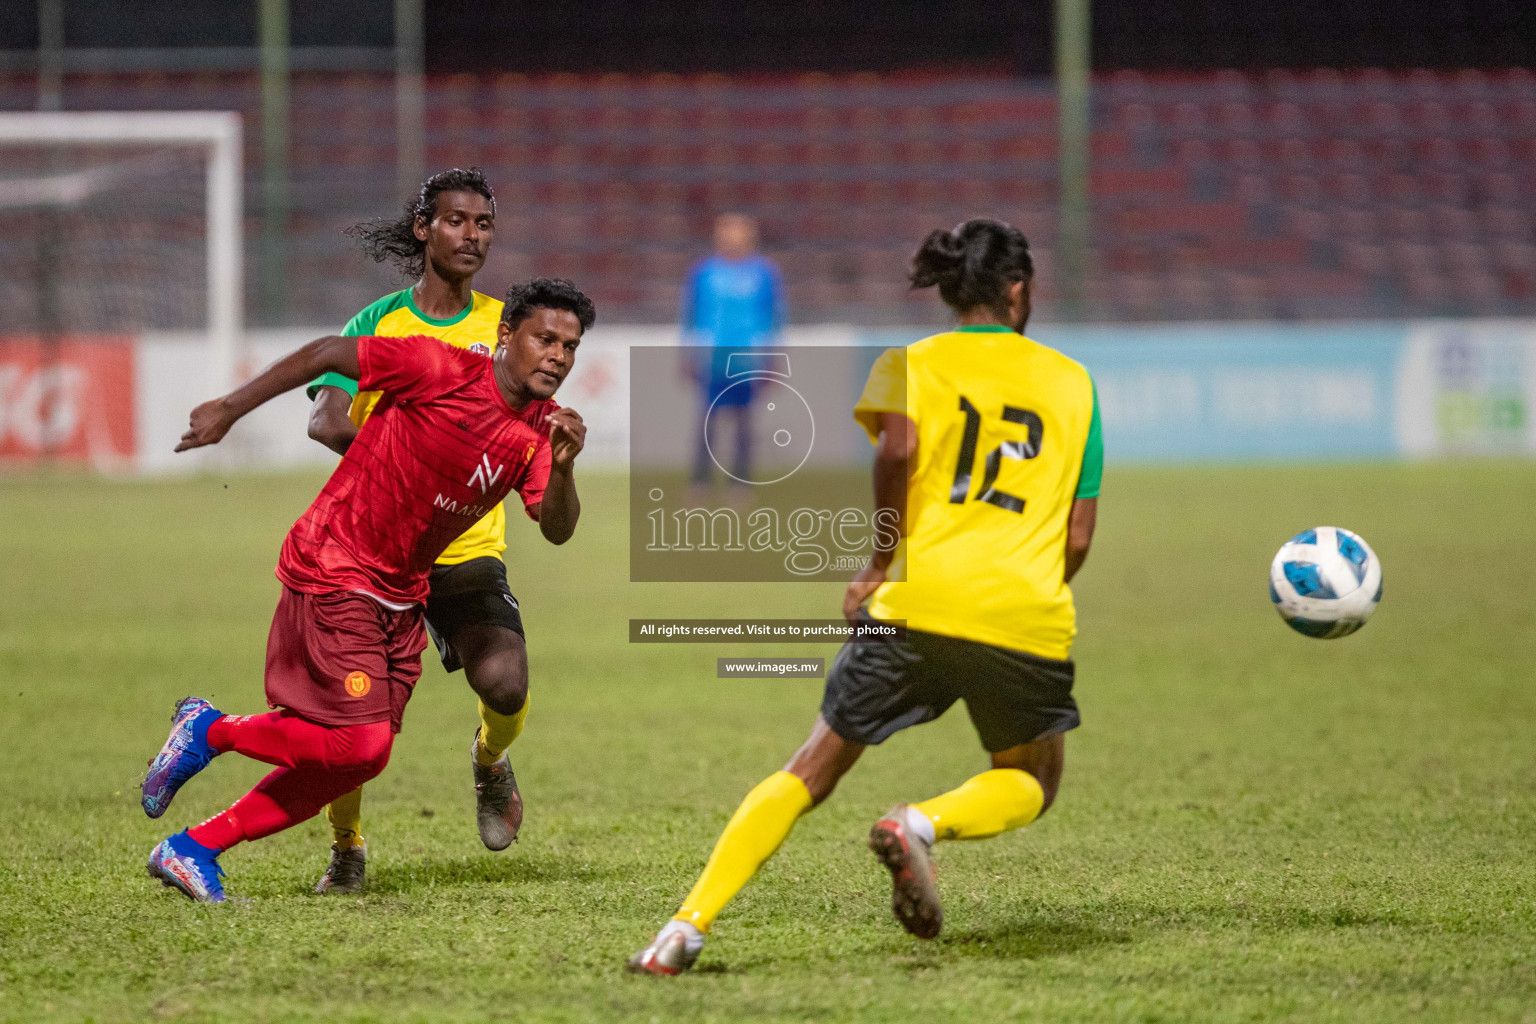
(1253, 826)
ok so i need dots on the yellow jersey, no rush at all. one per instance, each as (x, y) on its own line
(1008, 437)
(396, 316)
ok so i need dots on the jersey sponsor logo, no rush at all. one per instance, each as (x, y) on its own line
(485, 478)
(465, 509)
(358, 684)
(480, 348)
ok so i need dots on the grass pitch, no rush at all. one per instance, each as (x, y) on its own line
(1254, 826)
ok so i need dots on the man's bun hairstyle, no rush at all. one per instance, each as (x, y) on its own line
(550, 293)
(973, 264)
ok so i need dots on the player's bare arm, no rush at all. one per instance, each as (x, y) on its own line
(330, 419)
(561, 507)
(895, 456)
(1085, 515)
(212, 420)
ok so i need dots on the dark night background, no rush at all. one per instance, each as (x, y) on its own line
(833, 35)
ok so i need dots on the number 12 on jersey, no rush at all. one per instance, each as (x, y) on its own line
(1028, 448)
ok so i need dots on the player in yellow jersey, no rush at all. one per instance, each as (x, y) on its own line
(442, 241)
(989, 454)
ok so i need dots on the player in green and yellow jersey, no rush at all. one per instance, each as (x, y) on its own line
(989, 456)
(442, 241)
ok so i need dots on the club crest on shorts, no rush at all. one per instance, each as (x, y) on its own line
(358, 684)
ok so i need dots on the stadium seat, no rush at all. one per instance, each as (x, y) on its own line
(1399, 222)
(1365, 259)
(1246, 194)
(1508, 222)
(1454, 222)
(1516, 257)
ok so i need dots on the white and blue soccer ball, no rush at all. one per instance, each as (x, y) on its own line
(1325, 582)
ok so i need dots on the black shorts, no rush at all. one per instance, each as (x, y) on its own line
(472, 593)
(876, 689)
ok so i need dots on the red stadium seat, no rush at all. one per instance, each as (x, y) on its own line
(1515, 256)
(1454, 222)
(1508, 222)
(1404, 223)
(1219, 194)
(1364, 258)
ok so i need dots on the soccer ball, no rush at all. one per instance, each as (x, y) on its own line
(1325, 582)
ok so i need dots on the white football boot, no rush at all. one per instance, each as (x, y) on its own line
(673, 951)
(905, 854)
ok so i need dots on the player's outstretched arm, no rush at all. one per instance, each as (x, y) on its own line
(212, 420)
(561, 507)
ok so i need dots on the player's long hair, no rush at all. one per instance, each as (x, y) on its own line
(395, 242)
(973, 264)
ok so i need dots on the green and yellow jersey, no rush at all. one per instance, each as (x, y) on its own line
(396, 316)
(1008, 436)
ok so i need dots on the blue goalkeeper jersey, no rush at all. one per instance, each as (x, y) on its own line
(730, 304)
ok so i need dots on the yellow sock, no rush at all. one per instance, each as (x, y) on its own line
(346, 817)
(497, 731)
(993, 802)
(760, 824)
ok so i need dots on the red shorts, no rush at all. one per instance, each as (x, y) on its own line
(343, 658)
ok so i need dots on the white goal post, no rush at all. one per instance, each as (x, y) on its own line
(217, 133)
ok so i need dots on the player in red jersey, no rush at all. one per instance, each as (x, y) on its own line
(454, 434)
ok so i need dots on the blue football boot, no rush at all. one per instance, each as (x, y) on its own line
(186, 752)
(181, 862)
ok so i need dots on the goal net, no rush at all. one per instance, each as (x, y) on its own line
(114, 228)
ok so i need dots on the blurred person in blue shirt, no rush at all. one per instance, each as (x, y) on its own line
(732, 301)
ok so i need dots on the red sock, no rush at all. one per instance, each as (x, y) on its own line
(281, 800)
(224, 829)
(284, 739)
(318, 763)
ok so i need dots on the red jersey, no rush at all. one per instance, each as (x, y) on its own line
(441, 449)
